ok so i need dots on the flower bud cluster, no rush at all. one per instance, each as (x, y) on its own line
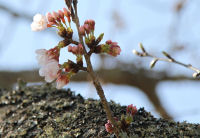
(132, 110)
(49, 59)
(76, 50)
(54, 19)
(125, 120)
(114, 49)
(111, 48)
(87, 28)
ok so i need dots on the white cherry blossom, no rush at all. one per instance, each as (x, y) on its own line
(50, 70)
(42, 56)
(39, 23)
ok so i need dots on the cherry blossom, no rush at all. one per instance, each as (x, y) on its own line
(39, 23)
(42, 56)
(50, 70)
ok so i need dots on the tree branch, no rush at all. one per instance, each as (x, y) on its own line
(140, 78)
(169, 59)
(15, 13)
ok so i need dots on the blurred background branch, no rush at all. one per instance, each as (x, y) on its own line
(140, 78)
(15, 14)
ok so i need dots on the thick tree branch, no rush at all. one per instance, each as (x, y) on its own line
(142, 79)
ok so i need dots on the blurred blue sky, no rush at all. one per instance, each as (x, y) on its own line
(127, 22)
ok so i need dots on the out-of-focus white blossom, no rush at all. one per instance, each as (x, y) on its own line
(39, 23)
(50, 70)
(42, 56)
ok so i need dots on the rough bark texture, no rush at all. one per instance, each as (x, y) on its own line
(43, 111)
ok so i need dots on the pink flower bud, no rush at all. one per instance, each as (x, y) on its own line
(61, 81)
(69, 48)
(131, 109)
(109, 127)
(67, 14)
(54, 53)
(82, 30)
(50, 17)
(92, 24)
(89, 25)
(61, 15)
(87, 28)
(56, 16)
(76, 50)
(80, 49)
(86, 22)
(109, 42)
(114, 50)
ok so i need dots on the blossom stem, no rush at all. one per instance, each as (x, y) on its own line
(74, 42)
(95, 78)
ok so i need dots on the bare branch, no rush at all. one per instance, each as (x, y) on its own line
(15, 13)
(169, 59)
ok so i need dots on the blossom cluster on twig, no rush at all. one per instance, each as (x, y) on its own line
(49, 59)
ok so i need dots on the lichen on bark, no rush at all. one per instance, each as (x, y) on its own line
(43, 111)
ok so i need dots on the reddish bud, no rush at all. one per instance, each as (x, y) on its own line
(54, 53)
(56, 16)
(109, 127)
(87, 28)
(82, 30)
(76, 50)
(67, 14)
(131, 109)
(114, 50)
(61, 15)
(61, 81)
(92, 24)
(80, 49)
(50, 17)
(89, 25)
(109, 42)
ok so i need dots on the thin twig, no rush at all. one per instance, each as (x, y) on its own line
(169, 58)
(94, 76)
(74, 42)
